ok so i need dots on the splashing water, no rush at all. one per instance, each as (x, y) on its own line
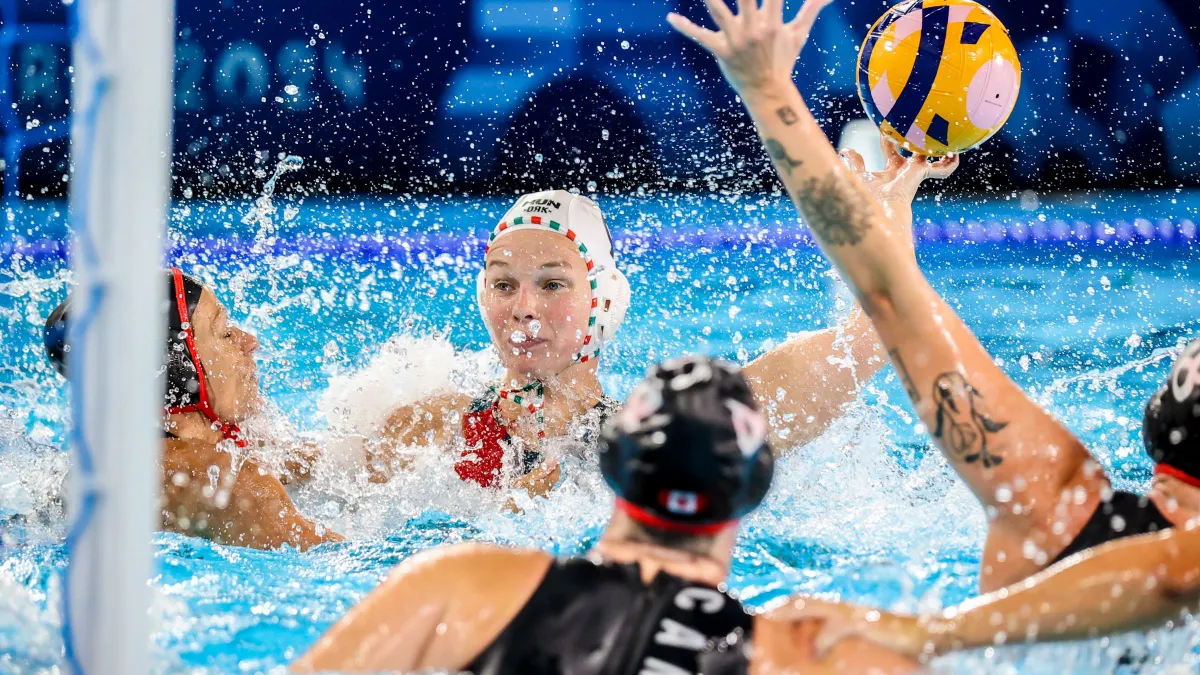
(263, 208)
(868, 513)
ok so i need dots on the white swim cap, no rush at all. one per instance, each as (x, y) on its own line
(579, 219)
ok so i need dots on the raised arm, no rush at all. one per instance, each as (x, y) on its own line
(1017, 459)
(804, 384)
(1129, 584)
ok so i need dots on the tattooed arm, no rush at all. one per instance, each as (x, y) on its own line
(804, 384)
(1034, 476)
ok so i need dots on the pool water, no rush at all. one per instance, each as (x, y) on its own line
(869, 512)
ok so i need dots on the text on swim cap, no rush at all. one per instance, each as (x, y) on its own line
(541, 206)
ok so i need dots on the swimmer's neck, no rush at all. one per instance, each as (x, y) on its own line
(621, 544)
(193, 426)
(574, 390)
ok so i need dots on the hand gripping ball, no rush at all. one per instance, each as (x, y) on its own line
(939, 76)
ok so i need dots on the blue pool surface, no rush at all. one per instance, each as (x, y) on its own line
(868, 513)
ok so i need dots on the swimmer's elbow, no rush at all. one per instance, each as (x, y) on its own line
(878, 303)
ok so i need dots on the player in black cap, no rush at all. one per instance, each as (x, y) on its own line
(210, 386)
(1171, 436)
(687, 458)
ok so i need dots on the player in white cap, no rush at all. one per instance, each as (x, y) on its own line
(551, 296)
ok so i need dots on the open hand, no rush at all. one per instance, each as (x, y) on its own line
(754, 47)
(896, 186)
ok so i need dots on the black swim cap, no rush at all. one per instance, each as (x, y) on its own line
(688, 452)
(182, 385)
(1171, 427)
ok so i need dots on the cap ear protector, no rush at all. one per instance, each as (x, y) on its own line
(1171, 425)
(580, 220)
(688, 452)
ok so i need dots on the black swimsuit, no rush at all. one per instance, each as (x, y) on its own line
(601, 619)
(1126, 515)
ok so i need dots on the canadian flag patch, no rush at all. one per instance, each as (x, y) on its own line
(682, 502)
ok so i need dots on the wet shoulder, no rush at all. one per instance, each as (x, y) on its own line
(476, 569)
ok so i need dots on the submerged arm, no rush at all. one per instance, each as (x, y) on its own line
(431, 422)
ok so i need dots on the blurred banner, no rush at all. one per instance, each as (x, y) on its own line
(480, 95)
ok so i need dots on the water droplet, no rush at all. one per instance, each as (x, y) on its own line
(624, 44)
(1004, 494)
(291, 90)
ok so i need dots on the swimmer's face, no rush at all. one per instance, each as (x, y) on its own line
(537, 301)
(227, 354)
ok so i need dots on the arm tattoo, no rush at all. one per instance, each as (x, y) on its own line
(780, 155)
(963, 422)
(787, 115)
(834, 210)
(905, 378)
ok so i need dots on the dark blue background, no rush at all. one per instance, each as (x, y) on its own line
(496, 94)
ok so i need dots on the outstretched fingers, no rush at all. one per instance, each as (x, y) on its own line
(854, 162)
(720, 13)
(806, 17)
(892, 158)
(709, 39)
(773, 10)
(944, 167)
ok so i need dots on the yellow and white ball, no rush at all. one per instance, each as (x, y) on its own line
(939, 76)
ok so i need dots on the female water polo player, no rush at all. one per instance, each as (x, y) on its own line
(211, 386)
(687, 458)
(551, 296)
(1046, 497)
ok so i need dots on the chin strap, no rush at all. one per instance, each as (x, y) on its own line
(537, 406)
(648, 519)
(1178, 474)
(230, 432)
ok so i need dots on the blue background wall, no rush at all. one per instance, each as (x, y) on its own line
(495, 94)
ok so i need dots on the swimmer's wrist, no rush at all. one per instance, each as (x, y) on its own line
(767, 92)
(939, 634)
